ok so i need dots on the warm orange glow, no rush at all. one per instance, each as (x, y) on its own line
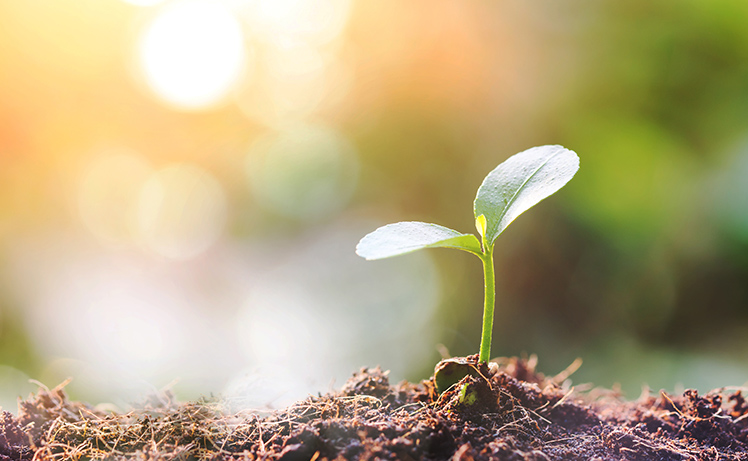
(143, 2)
(108, 195)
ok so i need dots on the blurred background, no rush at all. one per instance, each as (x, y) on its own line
(183, 183)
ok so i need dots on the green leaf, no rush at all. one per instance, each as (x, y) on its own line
(520, 182)
(404, 237)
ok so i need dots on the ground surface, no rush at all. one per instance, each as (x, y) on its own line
(514, 414)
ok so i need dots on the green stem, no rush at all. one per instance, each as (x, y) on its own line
(488, 304)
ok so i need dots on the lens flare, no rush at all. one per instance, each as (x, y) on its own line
(193, 53)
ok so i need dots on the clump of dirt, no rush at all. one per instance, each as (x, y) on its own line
(509, 412)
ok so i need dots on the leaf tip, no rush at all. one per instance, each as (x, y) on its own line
(364, 248)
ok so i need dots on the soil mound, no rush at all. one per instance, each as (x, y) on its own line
(509, 412)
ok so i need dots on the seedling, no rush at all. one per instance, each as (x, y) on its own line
(511, 188)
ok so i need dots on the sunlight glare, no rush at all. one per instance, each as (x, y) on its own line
(193, 53)
(313, 21)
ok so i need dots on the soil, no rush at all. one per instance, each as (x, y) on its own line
(509, 412)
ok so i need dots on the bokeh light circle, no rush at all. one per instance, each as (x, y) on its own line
(182, 211)
(192, 53)
(293, 82)
(305, 172)
(108, 195)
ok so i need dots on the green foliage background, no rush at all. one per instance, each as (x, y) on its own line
(639, 264)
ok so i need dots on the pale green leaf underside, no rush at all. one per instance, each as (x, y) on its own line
(404, 237)
(520, 182)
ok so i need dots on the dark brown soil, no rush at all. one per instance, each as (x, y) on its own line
(516, 414)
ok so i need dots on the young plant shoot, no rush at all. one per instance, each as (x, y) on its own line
(520, 182)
